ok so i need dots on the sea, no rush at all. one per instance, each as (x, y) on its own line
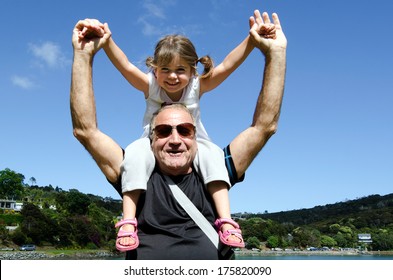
(315, 257)
(323, 257)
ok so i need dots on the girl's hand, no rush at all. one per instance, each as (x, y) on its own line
(92, 28)
(264, 35)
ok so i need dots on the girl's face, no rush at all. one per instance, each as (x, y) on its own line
(174, 77)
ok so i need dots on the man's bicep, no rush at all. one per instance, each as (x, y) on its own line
(245, 147)
(107, 154)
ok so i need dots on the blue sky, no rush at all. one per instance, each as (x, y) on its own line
(336, 127)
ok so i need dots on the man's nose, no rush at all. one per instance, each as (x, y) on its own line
(174, 137)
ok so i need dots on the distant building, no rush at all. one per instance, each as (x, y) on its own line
(364, 238)
(11, 228)
(7, 204)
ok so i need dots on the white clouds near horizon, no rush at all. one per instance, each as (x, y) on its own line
(22, 82)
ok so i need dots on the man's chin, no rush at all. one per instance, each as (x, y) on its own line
(176, 167)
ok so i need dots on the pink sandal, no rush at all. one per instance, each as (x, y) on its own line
(125, 233)
(224, 235)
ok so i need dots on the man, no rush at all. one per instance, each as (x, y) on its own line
(165, 230)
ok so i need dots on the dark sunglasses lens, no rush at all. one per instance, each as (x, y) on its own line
(163, 130)
(185, 129)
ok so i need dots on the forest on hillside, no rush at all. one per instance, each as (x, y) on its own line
(51, 216)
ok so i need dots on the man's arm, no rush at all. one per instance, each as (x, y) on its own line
(107, 154)
(246, 146)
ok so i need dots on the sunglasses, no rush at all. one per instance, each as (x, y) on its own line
(185, 130)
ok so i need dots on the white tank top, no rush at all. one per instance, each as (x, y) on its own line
(190, 98)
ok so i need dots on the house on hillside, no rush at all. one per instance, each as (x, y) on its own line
(364, 238)
(7, 204)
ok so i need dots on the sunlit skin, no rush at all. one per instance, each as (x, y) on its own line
(174, 154)
(174, 77)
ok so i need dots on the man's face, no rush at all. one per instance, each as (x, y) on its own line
(174, 152)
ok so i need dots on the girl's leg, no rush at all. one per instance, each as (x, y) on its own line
(219, 192)
(210, 164)
(136, 169)
(130, 200)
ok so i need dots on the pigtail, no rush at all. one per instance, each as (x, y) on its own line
(208, 66)
(150, 62)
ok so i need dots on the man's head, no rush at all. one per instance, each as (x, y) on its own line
(173, 139)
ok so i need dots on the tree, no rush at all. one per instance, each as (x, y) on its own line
(11, 184)
(273, 241)
(84, 231)
(252, 227)
(18, 237)
(33, 181)
(253, 242)
(383, 241)
(341, 240)
(103, 220)
(306, 236)
(328, 241)
(4, 234)
(77, 202)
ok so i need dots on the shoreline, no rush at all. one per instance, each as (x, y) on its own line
(59, 255)
(105, 255)
(311, 253)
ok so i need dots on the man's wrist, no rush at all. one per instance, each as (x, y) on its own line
(276, 53)
(83, 56)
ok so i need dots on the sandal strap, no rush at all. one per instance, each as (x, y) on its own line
(235, 232)
(127, 222)
(124, 233)
(221, 221)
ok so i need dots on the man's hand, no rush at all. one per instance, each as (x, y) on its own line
(89, 36)
(258, 25)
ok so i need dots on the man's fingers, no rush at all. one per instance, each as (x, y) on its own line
(257, 16)
(265, 17)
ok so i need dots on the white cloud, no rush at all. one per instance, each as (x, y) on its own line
(154, 20)
(49, 53)
(149, 29)
(22, 82)
(154, 10)
(155, 17)
(154, 13)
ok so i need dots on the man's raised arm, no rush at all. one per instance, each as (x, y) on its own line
(107, 154)
(246, 146)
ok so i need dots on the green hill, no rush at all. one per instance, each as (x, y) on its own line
(370, 211)
(54, 217)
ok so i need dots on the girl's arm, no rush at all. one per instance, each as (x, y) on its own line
(227, 66)
(137, 78)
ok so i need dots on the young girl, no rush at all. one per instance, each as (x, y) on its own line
(174, 79)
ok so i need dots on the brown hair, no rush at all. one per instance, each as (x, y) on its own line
(172, 45)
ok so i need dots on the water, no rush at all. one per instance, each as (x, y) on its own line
(315, 257)
(301, 257)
